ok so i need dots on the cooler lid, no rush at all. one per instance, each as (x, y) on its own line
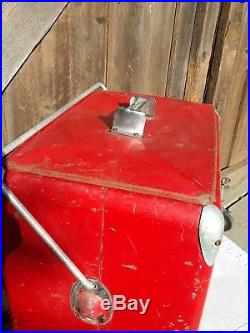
(177, 156)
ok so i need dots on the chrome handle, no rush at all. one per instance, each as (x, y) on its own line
(131, 120)
(40, 231)
(89, 289)
(91, 286)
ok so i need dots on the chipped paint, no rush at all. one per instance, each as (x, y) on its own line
(131, 267)
(180, 320)
(74, 203)
(132, 243)
(182, 233)
(117, 236)
(193, 296)
(134, 208)
(165, 305)
(188, 263)
(158, 313)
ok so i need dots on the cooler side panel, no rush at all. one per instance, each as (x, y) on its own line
(38, 285)
(151, 250)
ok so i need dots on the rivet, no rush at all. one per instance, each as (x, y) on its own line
(218, 242)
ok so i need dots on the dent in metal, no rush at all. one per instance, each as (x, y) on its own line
(210, 232)
(131, 120)
(87, 306)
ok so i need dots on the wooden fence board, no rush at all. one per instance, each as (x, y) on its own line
(139, 46)
(24, 24)
(195, 51)
(240, 143)
(230, 113)
(201, 49)
(223, 76)
(180, 49)
(4, 130)
(67, 61)
(239, 233)
(225, 50)
(238, 186)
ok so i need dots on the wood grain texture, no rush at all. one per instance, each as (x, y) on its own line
(240, 140)
(139, 38)
(180, 49)
(184, 50)
(24, 24)
(228, 71)
(239, 233)
(224, 55)
(67, 61)
(238, 186)
(201, 49)
(234, 95)
(4, 131)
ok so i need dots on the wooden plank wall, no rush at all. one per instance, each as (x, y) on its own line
(192, 51)
(24, 25)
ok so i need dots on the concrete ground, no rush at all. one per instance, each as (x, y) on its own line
(235, 200)
(238, 234)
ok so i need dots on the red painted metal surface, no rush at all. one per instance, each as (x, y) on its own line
(125, 210)
(176, 157)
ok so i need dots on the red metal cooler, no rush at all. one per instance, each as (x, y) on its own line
(129, 187)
